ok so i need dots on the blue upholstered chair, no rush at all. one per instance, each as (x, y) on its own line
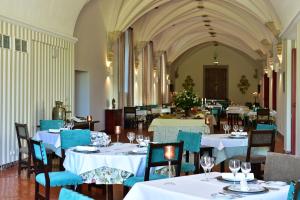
(44, 177)
(155, 158)
(192, 144)
(51, 124)
(261, 127)
(294, 191)
(73, 138)
(66, 194)
(216, 112)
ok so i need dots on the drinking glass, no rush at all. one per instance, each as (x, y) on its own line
(94, 138)
(234, 166)
(228, 128)
(212, 164)
(241, 128)
(225, 128)
(235, 128)
(108, 140)
(139, 139)
(71, 124)
(147, 140)
(131, 137)
(205, 163)
(246, 168)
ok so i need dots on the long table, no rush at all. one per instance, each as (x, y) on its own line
(194, 187)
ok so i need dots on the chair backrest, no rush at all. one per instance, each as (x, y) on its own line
(282, 167)
(72, 138)
(261, 138)
(39, 157)
(22, 134)
(51, 124)
(263, 115)
(233, 118)
(155, 157)
(294, 191)
(66, 194)
(191, 141)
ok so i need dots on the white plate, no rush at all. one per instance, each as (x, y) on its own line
(54, 131)
(276, 183)
(253, 189)
(86, 148)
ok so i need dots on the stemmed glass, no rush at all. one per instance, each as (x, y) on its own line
(71, 124)
(108, 140)
(139, 139)
(235, 128)
(147, 140)
(118, 132)
(131, 137)
(241, 128)
(205, 163)
(212, 164)
(94, 138)
(228, 128)
(246, 168)
(225, 128)
(234, 166)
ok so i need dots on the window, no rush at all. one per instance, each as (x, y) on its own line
(21, 45)
(24, 46)
(18, 44)
(0, 40)
(6, 41)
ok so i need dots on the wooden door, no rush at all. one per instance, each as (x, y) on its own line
(274, 90)
(215, 83)
(266, 91)
(293, 103)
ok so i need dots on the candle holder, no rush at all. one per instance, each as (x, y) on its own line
(169, 154)
(118, 132)
(89, 119)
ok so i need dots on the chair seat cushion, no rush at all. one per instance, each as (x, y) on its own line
(59, 179)
(135, 179)
(188, 167)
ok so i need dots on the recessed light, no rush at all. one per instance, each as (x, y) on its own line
(207, 25)
(200, 7)
(206, 21)
(204, 15)
(156, 7)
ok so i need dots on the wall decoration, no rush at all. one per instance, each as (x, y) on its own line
(243, 84)
(188, 83)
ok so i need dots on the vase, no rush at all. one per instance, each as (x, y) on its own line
(59, 112)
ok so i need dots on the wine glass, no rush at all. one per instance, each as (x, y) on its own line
(147, 140)
(228, 128)
(205, 163)
(241, 128)
(131, 137)
(246, 168)
(108, 140)
(94, 138)
(225, 128)
(139, 139)
(235, 128)
(212, 164)
(71, 124)
(234, 166)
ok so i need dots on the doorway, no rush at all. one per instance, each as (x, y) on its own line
(215, 82)
(82, 93)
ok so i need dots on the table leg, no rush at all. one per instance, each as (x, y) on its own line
(109, 192)
(222, 166)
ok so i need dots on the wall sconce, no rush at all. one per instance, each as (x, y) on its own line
(109, 71)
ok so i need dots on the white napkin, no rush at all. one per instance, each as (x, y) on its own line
(238, 177)
(239, 133)
(244, 184)
(86, 148)
(54, 130)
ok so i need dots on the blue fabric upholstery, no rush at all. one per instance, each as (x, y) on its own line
(292, 191)
(59, 179)
(266, 127)
(192, 141)
(188, 167)
(158, 154)
(51, 124)
(40, 153)
(135, 179)
(72, 138)
(66, 194)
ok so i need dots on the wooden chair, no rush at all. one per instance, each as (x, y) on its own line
(49, 179)
(130, 118)
(22, 135)
(66, 194)
(155, 158)
(259, 138)
(233, 119)
(294, 191)
(263, 116)
(192, 144)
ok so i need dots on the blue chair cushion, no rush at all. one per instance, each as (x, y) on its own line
(72, 138)
(66, 194)
(261, 127)
(291, 192)
(51, 124)
(59, 179)
(188, 167)
(192, 141)
(136, 179)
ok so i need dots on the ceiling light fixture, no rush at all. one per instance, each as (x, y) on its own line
(216, 56)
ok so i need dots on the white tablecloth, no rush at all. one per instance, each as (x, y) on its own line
(192, 188)
(221, 141)
(166, 130)
(115, 156)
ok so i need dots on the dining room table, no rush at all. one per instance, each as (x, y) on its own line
(200, 187)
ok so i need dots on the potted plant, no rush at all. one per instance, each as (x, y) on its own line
(186, 99)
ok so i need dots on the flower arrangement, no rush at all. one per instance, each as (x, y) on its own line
(186, 99)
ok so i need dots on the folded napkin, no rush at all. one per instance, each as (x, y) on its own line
(54, 130)
(140, 150)
(239, 133)
(238, 177)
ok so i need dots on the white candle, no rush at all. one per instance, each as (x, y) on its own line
(118, 129)
(169, 152)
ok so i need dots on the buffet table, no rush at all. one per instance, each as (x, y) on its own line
(194, 187)
(166, 130)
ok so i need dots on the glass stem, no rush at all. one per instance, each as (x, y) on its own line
(170, 172)
(117, 138)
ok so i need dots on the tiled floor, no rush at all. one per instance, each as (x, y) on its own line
(13, 187)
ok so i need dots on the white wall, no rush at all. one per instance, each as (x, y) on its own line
(238, 65)
(82, 93)
(90, 56)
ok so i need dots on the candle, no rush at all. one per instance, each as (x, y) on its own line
(205, 100)
(118, 130)
(169, 152)
(206, 120)
(89, 118)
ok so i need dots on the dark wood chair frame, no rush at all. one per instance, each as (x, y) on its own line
(130, 123)
(233, 118)
(150, 164)
(263, 113)
(257, 166)
(24, 164)
(40, 167)
(297, 191)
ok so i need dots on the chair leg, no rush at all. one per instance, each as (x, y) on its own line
(20, 164)
(47, 189)
(28, 166)
(36, 195)
(125, 191)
